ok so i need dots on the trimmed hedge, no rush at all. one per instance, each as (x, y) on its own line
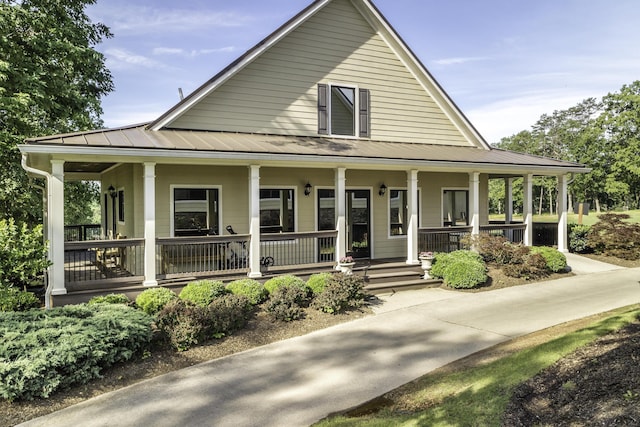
(441, 260)
(250, 288)
(274, 283)
(45, 351)
(318, 282)
(203, 292)
(465, 273)
(554, 259)
(152, 300)
(13, 299)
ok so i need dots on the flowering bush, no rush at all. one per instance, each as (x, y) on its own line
(346, 259)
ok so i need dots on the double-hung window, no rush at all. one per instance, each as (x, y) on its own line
(195, 211)
(277, 210)
(343, 110)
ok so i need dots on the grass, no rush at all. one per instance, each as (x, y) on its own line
(572, 218)
(478, 396)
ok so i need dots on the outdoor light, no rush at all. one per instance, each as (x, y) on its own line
(112, 192)
(383, 190)
(307, 189)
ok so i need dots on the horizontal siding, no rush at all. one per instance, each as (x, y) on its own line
(277, 92)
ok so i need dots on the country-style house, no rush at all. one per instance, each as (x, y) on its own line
(329, 138)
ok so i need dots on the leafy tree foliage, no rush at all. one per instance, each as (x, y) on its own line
(51, 81)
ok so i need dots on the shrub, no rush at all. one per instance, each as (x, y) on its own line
(495, 249)
(441, 260)
(579, 238)
(285, 303)
(152, 300)
(285, 280)
(526, 265)
(317, 282)
(227, 314)
(23, 256)
(612, 236)
(203, 292)
(110, 299)
(183, 322)
(13, 299)
(465, 273)
(341, 293)
(44, 351)
(554, 259)
(252, 289)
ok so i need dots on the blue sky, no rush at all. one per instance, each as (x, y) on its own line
(503, 62)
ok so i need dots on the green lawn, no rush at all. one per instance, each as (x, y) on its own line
(572, 218)
(478, 396)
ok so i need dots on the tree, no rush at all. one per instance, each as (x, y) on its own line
(51, 81)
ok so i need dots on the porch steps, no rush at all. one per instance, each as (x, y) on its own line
(383, 277)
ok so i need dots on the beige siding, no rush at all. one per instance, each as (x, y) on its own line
(121, 178)
(277, 93)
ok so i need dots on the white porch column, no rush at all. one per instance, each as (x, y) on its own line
(254, 221)
(562, 213)
(341, 210)
(56, 223)
(508, 200)
(474, 202)
(527, 209)
(150, 224)
(412, 211)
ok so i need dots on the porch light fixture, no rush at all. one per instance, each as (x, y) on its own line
(112, 192)
(307, 189)
(383, 190)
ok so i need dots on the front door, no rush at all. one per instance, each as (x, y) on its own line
(358, 224)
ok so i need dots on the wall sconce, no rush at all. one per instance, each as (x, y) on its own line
(112, 192)
(383, 190)
(307, 189)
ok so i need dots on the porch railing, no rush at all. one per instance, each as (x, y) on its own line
(442, 239)
(512, 232)
(202, 255)
(81, 233)
(545, 234)
(296, 249)
(118, 261)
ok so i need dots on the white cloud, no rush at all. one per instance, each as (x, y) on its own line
(458, 60)
(119, 59)
(190, 53)
(132, 114)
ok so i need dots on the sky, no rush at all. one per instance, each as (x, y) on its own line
(503, 62)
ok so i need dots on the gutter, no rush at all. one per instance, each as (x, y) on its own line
(46, 196)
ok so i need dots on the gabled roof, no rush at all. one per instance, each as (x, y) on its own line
(371, 13)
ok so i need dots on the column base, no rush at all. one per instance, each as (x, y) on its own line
(150, 283)
(58, 292)
(255, 275)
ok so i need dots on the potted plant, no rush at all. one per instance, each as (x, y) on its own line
(426, 258)
(345, 265)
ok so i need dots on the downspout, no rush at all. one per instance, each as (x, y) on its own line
(46, 197)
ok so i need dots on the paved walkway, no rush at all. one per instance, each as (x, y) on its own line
(301, 380)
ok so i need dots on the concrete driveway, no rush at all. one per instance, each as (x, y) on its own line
(301, 380)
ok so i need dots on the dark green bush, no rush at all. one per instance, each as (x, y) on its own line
(579, 238)
(317, 282)
(341, 293)
(286, 302)
(285, 280)
(23, 256)
(554, 259)
(203, 292)
(614, 237)
(110, 299)
(13, 299)
(44, 351)
(227, 314)
(465, 273)
(249, 288)
(152, 300)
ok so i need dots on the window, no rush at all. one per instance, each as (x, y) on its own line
(399, 212)
(276, 211)
(195, 211)
(326, 209)
(120, 205)
(455, 207)
(343, 110)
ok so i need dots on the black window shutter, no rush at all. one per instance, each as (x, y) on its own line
(323, 119)
(365, 115)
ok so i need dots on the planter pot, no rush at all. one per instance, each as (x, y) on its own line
(346, 268)
(426, 266)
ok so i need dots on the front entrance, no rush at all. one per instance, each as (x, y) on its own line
(358, 225)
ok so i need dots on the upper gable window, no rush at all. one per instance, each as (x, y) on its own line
(343, 111)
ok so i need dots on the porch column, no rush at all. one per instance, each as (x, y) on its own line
(254, 221)
(412, 211)
(527, 209)
(150, 225)
(562, 214)
(56, 232)
(341, 209)
(508, 200)
(474, 202)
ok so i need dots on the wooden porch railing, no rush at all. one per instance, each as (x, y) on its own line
(512, 232)
(296, 249)
(81, 233)
(442, 239)
(115, 261)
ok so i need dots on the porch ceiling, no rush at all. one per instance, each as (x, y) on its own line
(139, 141)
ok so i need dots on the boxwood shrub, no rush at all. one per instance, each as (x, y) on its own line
(152, 300)
(250, 288)
(317, 282)
(464, 273)
(45, 351)
(442, 260)
(14, 299)
(554, 259)
(203, 292)
(285, 280)
(227, 314)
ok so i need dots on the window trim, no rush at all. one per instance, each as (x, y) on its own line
(121, 206)
(400, 236)
(442, 190)
(359, 114)
(172, 213)
(295, 204)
